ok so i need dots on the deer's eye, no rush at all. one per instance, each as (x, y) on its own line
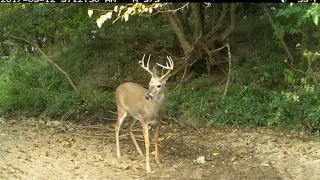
(159, 86)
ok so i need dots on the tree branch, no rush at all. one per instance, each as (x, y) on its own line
(178, 28)
(233, 23)
(183, 64)
(215, 13)
(229, 72)
(215, 50)
(185, 14)
(216, 25)
(48, 59)
(174, 10)
(196, 19)
(283, 43)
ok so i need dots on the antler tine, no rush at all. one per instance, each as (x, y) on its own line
(168, 66)
(141, 62)
(170, 61)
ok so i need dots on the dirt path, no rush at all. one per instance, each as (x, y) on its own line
(32, 149)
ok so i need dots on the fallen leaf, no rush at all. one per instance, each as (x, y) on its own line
(168, 137)
(291, 146)
(265, 164)
(216, 153)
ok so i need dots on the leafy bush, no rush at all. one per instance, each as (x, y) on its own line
(249, 105)
(195, 98)
(20, 85)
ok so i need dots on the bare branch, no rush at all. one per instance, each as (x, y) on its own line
(48, 59)
(168, 10)
(178, 28)
(229, 72)
(233, 23)
(174, 10)
(214, 16)
(283, 43)
(196, 19)
(215, 50)
(180, 66)
(216, 26)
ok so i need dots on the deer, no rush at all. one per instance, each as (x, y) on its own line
(145, 105)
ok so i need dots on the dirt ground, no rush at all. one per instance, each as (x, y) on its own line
(32, 148)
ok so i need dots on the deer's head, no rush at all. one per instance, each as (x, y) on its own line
(157, 83)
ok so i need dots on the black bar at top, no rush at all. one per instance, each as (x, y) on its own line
(213, 1)
(226, 1)
(161, 1)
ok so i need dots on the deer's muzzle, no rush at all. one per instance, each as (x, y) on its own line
(149, 96)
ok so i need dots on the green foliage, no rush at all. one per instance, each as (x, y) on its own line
(249, 105)
(83, 102)
(264, 90)
(28, 83)
(61, 103)
(54, 21)
(35, 83)
(305, 17)
(20, 87)
(289, 76)
(195, 99)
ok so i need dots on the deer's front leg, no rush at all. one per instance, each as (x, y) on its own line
(147, 145)
(156, 142)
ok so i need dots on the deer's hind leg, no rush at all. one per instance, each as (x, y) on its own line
(131, 123)
(122, 114)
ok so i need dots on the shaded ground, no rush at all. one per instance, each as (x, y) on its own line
(34, 149)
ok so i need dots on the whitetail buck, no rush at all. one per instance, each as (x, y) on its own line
(146, 105)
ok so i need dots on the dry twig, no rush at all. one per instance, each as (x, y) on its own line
(229, 72)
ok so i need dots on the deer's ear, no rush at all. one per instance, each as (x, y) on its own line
(165, 79)
(155, 71)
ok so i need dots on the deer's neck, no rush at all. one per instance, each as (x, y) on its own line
(160, 98)
(154, 106)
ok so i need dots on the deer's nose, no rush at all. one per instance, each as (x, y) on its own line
(149, 96)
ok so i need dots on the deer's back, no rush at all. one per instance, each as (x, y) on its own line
(130, 96)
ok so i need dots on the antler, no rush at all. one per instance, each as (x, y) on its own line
(145, 67)
(168, 66)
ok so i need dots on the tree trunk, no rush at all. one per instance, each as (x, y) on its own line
(202, 42)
